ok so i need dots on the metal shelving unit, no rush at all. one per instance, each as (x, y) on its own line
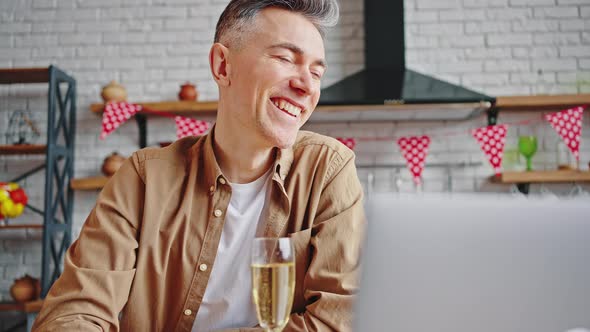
(58, 165)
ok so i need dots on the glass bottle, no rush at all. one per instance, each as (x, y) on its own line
(565, 158)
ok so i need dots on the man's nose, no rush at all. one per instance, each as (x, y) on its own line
(303, 82)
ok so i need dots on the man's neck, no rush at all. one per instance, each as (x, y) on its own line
(240, 160)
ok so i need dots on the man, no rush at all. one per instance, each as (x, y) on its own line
(167, 247)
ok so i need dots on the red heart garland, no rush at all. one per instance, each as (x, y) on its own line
(115, 113)
(415, 149)
(492, 140)
(349, 142)
(190, 127)
(568, 124)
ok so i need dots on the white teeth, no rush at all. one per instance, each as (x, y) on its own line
(286, 106)
(294, 110)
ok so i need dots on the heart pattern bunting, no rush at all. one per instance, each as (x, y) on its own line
(415, 149)
(349, 142)
(115, 113)
(492, 140)
(190, 127)
(568, 125)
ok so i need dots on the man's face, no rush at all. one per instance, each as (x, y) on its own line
(275, 77)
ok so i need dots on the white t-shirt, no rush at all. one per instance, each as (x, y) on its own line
(227, 301)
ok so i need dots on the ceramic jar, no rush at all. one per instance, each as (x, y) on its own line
(25, 289)
(112, 163)
(113, 92)
(188, 92)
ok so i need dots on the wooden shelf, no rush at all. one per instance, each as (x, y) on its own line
(22, 149)
(210, 107)
(31, 306)
(175, 107)
(542, 102)
(34, 306)
(24, 226)
(535, 102)
(12, 306)
(89, 183)
(24, 75)
(557, 176)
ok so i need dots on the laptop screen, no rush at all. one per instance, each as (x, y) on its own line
(475, 263)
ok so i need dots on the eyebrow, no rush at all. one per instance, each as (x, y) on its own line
(298, 50)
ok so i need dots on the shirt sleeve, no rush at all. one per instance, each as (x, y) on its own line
(99, 265)
(337, 235)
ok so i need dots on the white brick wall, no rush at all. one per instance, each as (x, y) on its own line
(500, 47)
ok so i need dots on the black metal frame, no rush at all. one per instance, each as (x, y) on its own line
(142, 126)
(59, 170)
(61, 133)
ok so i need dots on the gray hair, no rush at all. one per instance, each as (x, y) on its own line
(238, 13)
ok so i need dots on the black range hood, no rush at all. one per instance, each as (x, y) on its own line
(387, 82)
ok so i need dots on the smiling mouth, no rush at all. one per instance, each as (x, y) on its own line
(286, 106)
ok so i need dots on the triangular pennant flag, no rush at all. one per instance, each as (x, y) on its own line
(568, 124)
(349, 142)
(190, 127)
(415, 149)
(492, 140)
(115, 113)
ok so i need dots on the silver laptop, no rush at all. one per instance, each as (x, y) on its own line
(475, 264)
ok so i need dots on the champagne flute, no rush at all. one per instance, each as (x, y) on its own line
(527, 145)
(273, 281)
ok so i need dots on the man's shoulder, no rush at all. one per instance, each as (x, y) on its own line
(309, 140)
(176, 153)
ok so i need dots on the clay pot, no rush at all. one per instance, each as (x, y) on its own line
(25, 289)
(113, 92)
(112, 163)
(188, 92)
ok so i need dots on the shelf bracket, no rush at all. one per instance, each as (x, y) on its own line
(142, 126)
(28, 173)
(493, 113)
(524, 187)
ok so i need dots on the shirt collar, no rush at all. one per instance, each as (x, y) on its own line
(281, 166)
(210, 164)
(283, 161)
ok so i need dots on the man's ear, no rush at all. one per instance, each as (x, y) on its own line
(220, 68)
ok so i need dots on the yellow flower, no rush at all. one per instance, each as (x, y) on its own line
(17, 210)
(6, 208)
(4, 195)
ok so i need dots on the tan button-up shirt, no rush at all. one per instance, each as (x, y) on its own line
(144, 256)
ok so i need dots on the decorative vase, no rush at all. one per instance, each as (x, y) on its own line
(112, 163)
(113, 92)
(188, 92)
(25, 289)
(22, 128)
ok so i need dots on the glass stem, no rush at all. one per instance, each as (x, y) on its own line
(529, 164)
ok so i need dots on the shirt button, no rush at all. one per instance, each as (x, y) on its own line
(188, 312)
(222, 180)
(203, 267)
(217, 213)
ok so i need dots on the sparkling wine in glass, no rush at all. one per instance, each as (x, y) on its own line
(527, 145)
(273, 281)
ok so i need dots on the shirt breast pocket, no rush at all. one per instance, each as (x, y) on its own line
(300, 242)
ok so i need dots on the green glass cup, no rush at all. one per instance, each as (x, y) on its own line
(527, 145)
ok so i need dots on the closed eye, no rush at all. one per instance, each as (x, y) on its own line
(285, 59)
